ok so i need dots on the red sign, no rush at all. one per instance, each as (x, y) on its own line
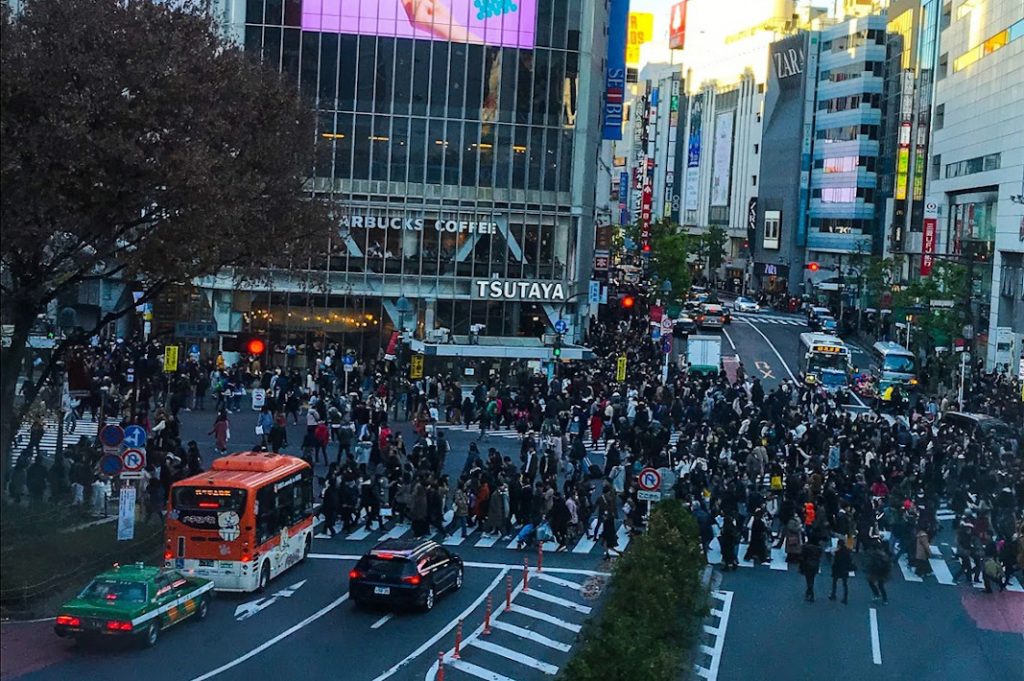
(647, 197)
(677, 26)
(928, 246)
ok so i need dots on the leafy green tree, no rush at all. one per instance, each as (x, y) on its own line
(139, 145)
(710, 248)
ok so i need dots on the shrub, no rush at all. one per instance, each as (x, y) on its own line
(654, 603)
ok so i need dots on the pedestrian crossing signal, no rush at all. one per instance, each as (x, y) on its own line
(255, 346)
(813, 266)
(628, 302)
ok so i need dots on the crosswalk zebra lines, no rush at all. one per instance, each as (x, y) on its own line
(593, 447)
(940, 563)
(48, 444)
(754, 318)
(475, 538)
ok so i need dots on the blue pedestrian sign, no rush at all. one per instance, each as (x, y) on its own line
(135, 437)
(112, 435)
(194, 349)
(561, 326)
(348, 360)
(111, 464)
(666, 344)
(655, 332)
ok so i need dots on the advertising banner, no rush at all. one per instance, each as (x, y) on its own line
(722, 159)
(503, 24)
(615, 71)
(693, 152)
(641, 31)
(126, 514)
(930, 229)
(677, 26)
(623, 198)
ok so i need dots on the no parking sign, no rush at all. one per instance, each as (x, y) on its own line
(134, 460)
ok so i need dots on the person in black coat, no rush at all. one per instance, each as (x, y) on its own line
(842, 563)
(810, 562)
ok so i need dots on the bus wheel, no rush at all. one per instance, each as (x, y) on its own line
(264, 577)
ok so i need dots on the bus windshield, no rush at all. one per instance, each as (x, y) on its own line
(901, 364)
(819, 361)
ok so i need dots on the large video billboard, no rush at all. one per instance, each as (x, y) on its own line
(505, 23)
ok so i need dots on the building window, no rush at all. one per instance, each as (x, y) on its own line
(936, 166)
(772, 220)
(753, 180)
(940, 116)
(757, 149)
(978, 164)
(943, 67)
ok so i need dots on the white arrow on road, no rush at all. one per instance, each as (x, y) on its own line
(247, 610)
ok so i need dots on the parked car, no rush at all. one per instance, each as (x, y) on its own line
(827, 324)
(405, 572)
(814, 314)
(744, 304)
(133, 602)
(712, 316)
(981, 424)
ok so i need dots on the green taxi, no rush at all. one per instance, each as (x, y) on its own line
(134, 601)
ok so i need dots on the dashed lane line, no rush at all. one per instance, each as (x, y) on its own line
(773, 348)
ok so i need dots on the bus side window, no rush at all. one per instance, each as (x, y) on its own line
(267, 520)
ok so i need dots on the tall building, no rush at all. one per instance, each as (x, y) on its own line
(974, 212)
(460, 160)
(823, 126)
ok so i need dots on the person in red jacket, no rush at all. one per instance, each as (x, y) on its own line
(322, 433)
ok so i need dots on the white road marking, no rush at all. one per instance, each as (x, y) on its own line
(876, 647)
(454, 540)
(622, 538)
(397, 531)
(584, 545)
(361, 533)
(277, 639)
(531, 635)
(382, 621)
(515, 656)
(1015, 585)
(491, 566)
(559, 581)
(740, 553)
(429, 643)
(941, 570)
(908, 573)
(779, 559)
(544, 617)
(773, 348)
(487, 540)
(474, 670)
(565, 603)
(715, 653)
(729, 338)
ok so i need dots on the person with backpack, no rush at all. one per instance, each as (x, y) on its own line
(842, 563)
(810, 563)
(878, 566)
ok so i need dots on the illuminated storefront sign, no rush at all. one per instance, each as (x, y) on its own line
(476, 226)
(518, 289)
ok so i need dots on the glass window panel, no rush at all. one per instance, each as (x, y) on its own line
(421, 76)
(540, 86)
(366, 73)
(253, 39)
(380, 143)
(438, 77)
(457, 81)
(399, 148)
(275, 12)
(509, 60)
(418, 143)
(403, 76)
(503, 156)
(470, 152)
(309, 65)
(490, 86)
(384, 73)
(325, 143)
(520, 149)
(556, 89)
(559, 23)
(523, 85)
(342, 140)
(272, 47)
(476, 63)
(347, 72)
(361, 147)
(565, 166)
(435, 151)
(254, 11)
(328, 90)
(544, 11)
(452, 149)
(551, 159)
(536, 154)
(487, 154)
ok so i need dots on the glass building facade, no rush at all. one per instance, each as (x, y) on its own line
(449, 163)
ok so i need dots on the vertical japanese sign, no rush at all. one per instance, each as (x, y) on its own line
(721, 156)
(171, 358)
(126, 514)
(624, 198)
(615, 71)
(620, 369)
(416, 367)
(931, 214)
(693, 152)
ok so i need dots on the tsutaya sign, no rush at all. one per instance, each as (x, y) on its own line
(517, 289)
(417, 224)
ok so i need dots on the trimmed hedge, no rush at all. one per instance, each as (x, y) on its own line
(654, 605)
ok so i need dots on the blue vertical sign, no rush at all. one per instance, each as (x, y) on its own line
(624, 198)
(615, 75)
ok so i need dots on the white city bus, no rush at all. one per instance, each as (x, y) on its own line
(825, 359)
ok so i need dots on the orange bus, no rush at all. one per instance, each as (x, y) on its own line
(243, 522)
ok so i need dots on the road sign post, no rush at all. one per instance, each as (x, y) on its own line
(112, 435)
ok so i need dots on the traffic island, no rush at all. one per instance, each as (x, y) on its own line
(656, 599)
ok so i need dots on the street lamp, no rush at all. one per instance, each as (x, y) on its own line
(403, 307)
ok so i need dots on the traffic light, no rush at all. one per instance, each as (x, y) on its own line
(255, 345)
(646, 248)
(627, 302)
(813, 266)
(556, 351)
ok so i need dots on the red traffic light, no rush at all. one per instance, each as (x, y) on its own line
(628, 302)
(646, 248)
(813, 266)
(255, 346)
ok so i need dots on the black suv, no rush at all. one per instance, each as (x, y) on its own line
(405, 572)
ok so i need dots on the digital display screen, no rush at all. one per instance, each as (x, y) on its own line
(503, 23)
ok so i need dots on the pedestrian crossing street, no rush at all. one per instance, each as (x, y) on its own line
(475, 537)
(48, 445)
(761, 318)
(943, 565)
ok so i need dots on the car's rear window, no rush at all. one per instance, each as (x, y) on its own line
(385, 568)
(115, 590)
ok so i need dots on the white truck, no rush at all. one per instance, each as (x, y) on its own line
(704, 354)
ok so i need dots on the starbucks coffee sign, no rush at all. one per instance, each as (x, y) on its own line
(474, 226)
(519, 289)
